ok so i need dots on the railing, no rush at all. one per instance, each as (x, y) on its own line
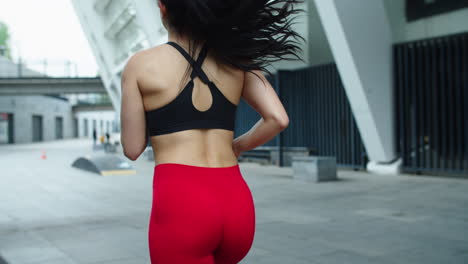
(21, 68)
(431, 98)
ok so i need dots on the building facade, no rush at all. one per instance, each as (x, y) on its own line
(358, 36)
(37, 118)
(101, 119)
(34, 119)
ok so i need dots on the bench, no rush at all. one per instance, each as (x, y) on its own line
(271, 155)
(110, 148)
(262, 155)
(314, 168)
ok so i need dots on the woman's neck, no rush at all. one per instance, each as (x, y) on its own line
(182, 40)
(179, 39)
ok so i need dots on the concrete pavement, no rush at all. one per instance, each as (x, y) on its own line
(53, 213)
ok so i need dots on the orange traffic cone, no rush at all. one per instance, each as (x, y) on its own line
(43, 156)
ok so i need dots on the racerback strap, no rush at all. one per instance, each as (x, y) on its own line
(196, 65)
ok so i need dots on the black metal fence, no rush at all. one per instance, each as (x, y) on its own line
(319, 113)
(431, 96)
(246, 117)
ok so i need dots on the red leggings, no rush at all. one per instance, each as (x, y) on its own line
(200, 215)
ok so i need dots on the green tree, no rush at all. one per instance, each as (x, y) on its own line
(4, 39)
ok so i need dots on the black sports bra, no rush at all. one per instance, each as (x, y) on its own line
(180, 114)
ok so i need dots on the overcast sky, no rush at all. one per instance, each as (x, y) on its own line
(47, 29)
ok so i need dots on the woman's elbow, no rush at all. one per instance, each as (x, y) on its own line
(132, 155)
(283, 122)
(132, 148)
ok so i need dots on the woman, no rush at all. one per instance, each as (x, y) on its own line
(202, 210)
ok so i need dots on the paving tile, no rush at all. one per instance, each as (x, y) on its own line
(126, 261)
(20, 239)
(2, 260)
(432, 252)
(32, 254)
(276, 259)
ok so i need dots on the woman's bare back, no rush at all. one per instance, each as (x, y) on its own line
(161, 70)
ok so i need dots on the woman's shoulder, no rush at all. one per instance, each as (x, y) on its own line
(145, 59)
(145, 54)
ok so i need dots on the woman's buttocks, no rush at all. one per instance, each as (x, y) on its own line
(199, 147)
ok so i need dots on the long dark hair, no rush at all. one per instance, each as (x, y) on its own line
(246, 34)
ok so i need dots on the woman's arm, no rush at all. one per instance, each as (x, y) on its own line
(262, 97)
(132, 113)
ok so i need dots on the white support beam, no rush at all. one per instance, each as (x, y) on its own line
(361, 42)
(148, 17)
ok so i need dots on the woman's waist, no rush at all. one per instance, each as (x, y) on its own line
(193, 162)
(197, 176)
(219, 157)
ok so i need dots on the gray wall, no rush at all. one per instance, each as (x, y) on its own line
(301, 25)
(319, 49)
(24, 107)
(438, 25)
